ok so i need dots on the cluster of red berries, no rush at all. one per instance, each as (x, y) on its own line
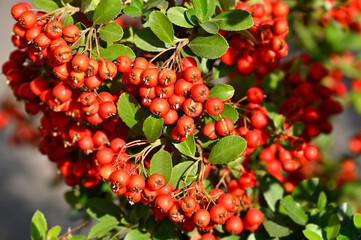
(346, 15)
(347, 172)
(262, 54)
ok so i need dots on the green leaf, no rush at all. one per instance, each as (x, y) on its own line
(180, 171)
(273, 191)
(53, 232)
(111, 32)
(357, 221)
(297, 128)
(345, 211)
(210, 47)
(322, 201)
(313, 232)
(161, 26)
(204, 8)
(38, 226)
(222, 91)
(294, 210)
(67, 20)
(153, 128)
(210, 27)
(222, 70)
(187, 147)
(234, 20)
(89, 5)
(107, 10)
(161, 163)
(112, 52)
(305, 190)
(47, 5)
(97, 208)
(228, 112)
(132, 11)
(191, 16)
(227, 4)
(276, 230)
(146, 40)
(227, 149)
(333, 227)
(136, 234)
(130, 111)
(178, 17)
(103, 227)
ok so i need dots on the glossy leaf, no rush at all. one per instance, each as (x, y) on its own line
(227, 149)
(129, 110)
(234, 20)
(228, 112)
(180, 171)
(105, 225)
(106, 11)
(136, 234)
(161, 163)
(178, 17)
(357, 221)
(161, 26)
(272, 190)
(294, 210)
(313, 232)
(38, 226)
(132, 11)
(112, 52)
(187, 147)
(146, 40)
(322, 201)
(53, 232)
(305, 189)
(333, 227)
(153, 128)
(204, 8)
(111, 32)
(276, 230)
(222, 91)
(210, 47)
(47, 5)
(89, 5)
(97, 208)
(227, 4)
(210, 27)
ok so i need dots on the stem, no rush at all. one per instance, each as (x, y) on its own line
(63, 237)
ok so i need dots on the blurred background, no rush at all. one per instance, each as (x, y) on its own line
(26, 176)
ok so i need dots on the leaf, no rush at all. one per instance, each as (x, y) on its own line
(333, 227)
(187, 147)
(297, 128)
(130, 111)
(132, 11)
(112, 52)
(234, 20)
(294, 210)
(222, 70)
(104, 226)
(210, 27)
(67, 20)
(107, 10)
(38, 226)
(146, 40)
(276, 230)
(204, 8)
(191, 16)
(97, 208)
(305, 190)
(273, 191)
(228, 112)
(136, 234)
(47, 5)
(357, 221)
(53, 232)
(345, 211)
(227, 4)
(161, 163)
(111, 32)
(313, 232)
(322, 201)
(161, 26)
(89, 5)
(210, 47)
(227, 149)
(153, 128)
(178, 17)
(180, 171)
(222, 91)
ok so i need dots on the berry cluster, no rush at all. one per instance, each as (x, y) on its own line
(262, 53)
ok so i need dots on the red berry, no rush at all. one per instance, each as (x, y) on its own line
(192, 108)
(254, 95)
(124, 64)
(253, 219)
(159, 107)
(185, 126)
(199, 92)
(71, 33)
(164, 202)
(224, 126)
(201, 218)
(214, 106)
(54, 29)
(230, 56)
(192, 74)
(167, 77)
(234, 225)
(28, 19)
(156, 181)
(219, 214)
(209, 130)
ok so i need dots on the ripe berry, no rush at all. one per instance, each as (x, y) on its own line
(199, 92)
(140, 62)
(224, 126)
(62, 92)
(208, 236)
(171, 117)
(185, 126)
(120, 178)
(63, 54)
(247, 180)
(258, 119)
(107, 69)
(150, 77)
(182, 87)
(135, 76)
(136, 183)
(219, 214)
(192, 108)
(175, 213)
(201, 218)
(107, 109)
(159, 107)
(164, 202)
(155, 182)
(93, 67)
(124, 64)
(209, 130)
(93, 82)
(54, 29)
(71, 33)
(42, 41)
(106, 171)
(230, 56)
(280, 26)
(253, 219)
(234, 225)
(192, 74)
(133, 197)
(311, 152)
(80, 62)
(176, 101)
(214, 106)
(254, 95)
(188, 204)
(164, 91)
(245, 65)
(105, 156)
(167, 77)
(20, 8)
(28, 19)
